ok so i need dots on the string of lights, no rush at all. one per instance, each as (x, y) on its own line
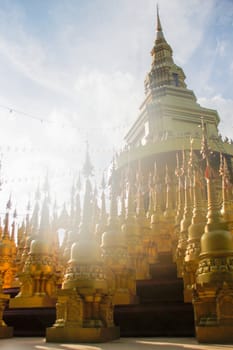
(76, 150)
(63, 125)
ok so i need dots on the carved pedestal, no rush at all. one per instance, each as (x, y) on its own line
(5, 331)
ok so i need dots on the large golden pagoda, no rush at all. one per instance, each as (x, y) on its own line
(167, 140)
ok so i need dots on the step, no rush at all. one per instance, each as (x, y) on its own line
(30, 322)
(166, 319)
(150, 291)
(162, 271)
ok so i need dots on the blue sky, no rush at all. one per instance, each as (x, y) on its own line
(80, 65)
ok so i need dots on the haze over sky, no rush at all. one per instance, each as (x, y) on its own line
(75, 69)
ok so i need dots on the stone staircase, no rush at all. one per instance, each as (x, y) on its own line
(161, 310)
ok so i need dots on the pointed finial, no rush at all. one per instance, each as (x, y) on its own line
(159, 30)
(15, 214)
(9, 204)
(159, 27)
(205, 150)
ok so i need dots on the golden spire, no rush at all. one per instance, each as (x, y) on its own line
(187, 218)
(14, 226)
(158, 214)
(77, 202)
(159, 30)
(6, 233)
(64, 218)
(226, 189)
(180, 196)
(150, 209)
(85, 226)
(28, 226)
(44, 229)
(101, 225)
(169, 212)
(34, 222)
(195, 230)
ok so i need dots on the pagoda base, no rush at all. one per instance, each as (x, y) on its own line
(6, 332)
(82, 335)
(122, 298)
(188, 295)
(215, 334)
(35, 301)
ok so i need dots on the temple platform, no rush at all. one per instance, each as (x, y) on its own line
(120, 344)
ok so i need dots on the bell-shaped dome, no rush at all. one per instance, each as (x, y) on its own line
(85, 251)
(39, 246)
(217, 241)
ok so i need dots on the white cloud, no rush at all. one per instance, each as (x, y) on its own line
(224, 107)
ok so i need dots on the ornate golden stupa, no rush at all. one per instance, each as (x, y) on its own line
(84, 309)
(167, 141)
(213, 289)
(37, 278)
(115, 255)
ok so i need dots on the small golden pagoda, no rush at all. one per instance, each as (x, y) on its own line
(115, 255)
(213, 290)
(196, 229)
(84, 309)
(38, 278)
